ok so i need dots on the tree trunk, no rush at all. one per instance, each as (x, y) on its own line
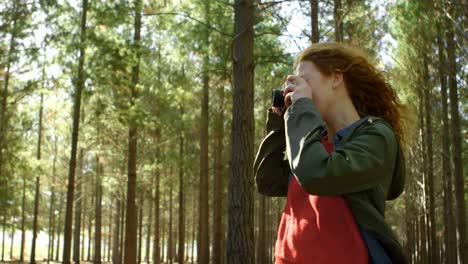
(338, 14)
(37, 195)
(140, 231)
(83, 230)
(148, 234)
(430, 164)
(110, 235)
(12, 238)
(456, 141)
(90, 225)
(192, 253)
(240, 245)
(156, 245)
(122, 234)
(98, 211)
(76, 230)
(169, 232)
(58, 229)
(115, 244)
(218, 201)
(3, 237)
(181, 250)
(203, 248)
(162, 241)
(131, 221)
(80, 82)
(261, 246)
(50, 251)
(314, 10)
(23, 220)
(4, 98)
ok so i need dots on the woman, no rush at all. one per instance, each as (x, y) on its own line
(336, 155)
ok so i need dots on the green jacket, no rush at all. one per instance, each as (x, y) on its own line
(367, 168)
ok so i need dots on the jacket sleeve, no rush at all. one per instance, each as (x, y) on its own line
(356, 165)
(270, 168)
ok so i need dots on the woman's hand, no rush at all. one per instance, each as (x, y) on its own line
(296, 88)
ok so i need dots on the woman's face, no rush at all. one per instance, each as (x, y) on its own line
(321, 85)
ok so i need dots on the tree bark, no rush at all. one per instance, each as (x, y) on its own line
(314, 10)
(218, 201)
(140, 230)
(430, 164)
(131, 221)
(23, 220)
(3, 237)
(148, 234)
(181, 249)
(456, 141)
(240, 241)
(3, 112)
(59, 224)
(98, 211)
(75, 130)
(90, 225)
(338, 14)
(110, 234)
(77, 229)
(156, 244)
(116, 242)
(169, 232)
(12, 238)
(32, 258)
(203, 248)
(50, 250)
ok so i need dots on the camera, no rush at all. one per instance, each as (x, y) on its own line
(277, 98)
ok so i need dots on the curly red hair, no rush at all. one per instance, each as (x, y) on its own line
(367, 87)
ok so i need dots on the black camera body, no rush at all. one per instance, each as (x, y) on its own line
(277, 98)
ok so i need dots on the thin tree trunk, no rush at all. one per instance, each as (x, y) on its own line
(456, 140)
(240, 241)
(83, 229)
(90, 225)
(98, 211)
(261, 246)
(203, 248)
(148, 234)
(80, 82)
(37, 196)
(169, 232)
(50, 250)
(338, 14)
(122, 234)
(314, 10)
(163, 241)
(116, 242)
(181, 250)
(430, 164)
(12, 238)
(3, 237)
(192, 253)
(218, 200)
(156, 244)
(59, 224)
(140, 231)
(76, 230)
(23, 220)
(131, 221)
(3, 111)
(110, 234)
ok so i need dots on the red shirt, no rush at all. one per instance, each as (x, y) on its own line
(318, 229)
